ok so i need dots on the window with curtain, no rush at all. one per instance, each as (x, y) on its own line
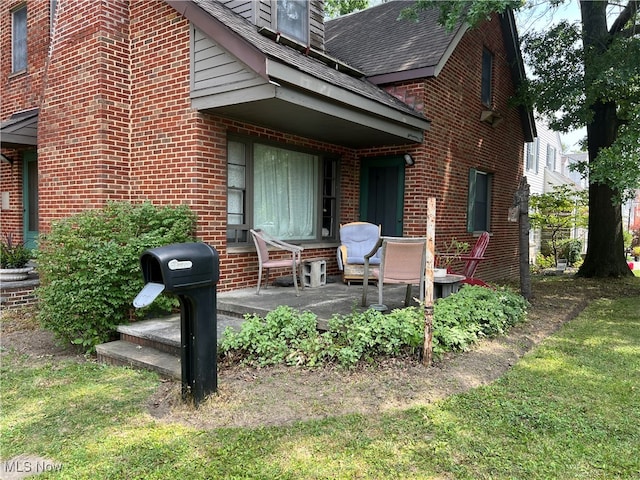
(479, 201)
(19, 39)
(293, 19)
(285, 187)
(289, 194)
(487, 77)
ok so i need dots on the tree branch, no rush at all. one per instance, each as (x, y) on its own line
(630, 32)
(624, 17)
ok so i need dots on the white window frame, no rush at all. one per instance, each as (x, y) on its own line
(551, 158)
(532, 155)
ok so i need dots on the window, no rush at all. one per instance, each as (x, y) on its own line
(487, 77)
(551, 157)
(52, 14)
(289, 194)
(532, 155)
(479, 201)
(293, 19)
(19, 39)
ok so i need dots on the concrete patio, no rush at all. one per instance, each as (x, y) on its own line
(335, 297)
(155, 344)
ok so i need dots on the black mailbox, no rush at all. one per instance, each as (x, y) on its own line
(190, 271)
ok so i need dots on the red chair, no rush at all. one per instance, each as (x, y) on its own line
(473, 259)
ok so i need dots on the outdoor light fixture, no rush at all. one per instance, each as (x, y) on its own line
(4, 158)
(408, 159)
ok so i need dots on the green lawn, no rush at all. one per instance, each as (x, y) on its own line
(569, 409)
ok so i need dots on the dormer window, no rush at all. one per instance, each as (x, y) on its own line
(293, 19)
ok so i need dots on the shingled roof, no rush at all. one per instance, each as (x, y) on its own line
(291, 57)
(377, 42)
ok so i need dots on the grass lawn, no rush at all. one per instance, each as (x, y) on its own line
(568, 409)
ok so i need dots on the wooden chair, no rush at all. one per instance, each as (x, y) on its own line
(402, 261)
(472, 261)
(262, 241)
(357, 239)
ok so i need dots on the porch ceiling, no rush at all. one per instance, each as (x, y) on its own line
(328, 126)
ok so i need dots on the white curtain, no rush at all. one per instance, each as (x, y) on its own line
(285, 192)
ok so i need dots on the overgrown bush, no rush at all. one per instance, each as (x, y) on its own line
(90, 271)
(571, 250)
(286, 336)
(474, 312)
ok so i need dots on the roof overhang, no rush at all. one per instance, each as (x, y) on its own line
(20, 129)
(300, 104)
(293, 101)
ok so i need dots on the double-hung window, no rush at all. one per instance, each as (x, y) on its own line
(532, 155)
(487, 77)
(551, 158)
(290, 194)
(19, 39)
(293, 19)
(479, 201)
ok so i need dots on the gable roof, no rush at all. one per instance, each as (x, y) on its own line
(390, 49)
(286, 71)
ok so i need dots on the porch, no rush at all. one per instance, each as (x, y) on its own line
(155, 344)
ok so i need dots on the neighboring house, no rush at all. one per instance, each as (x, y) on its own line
(258, 115)
(546, 167)
(631, 213)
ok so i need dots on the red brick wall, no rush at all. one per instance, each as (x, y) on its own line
(18, 296)
(83, 131)
(20, 91)
(458, 141)
(116, 124)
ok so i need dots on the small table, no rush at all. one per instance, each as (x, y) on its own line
(446, 285)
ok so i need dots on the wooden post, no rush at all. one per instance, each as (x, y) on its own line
(427, 350)
(521, 201)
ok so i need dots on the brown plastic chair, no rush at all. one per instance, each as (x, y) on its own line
(262, 241)
(402, 261)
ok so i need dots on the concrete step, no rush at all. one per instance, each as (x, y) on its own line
(121, 352)
(154, 344)
(160, 333)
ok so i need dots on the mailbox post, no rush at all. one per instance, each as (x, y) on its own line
(191, 272)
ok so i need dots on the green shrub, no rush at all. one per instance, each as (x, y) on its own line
(286, 336)
(571, 250)
(473, 312)
(90, 271)
(371, 334)
(283, 336)
(543, 261)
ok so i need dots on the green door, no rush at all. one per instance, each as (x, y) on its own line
(30, 198)
(382, 193)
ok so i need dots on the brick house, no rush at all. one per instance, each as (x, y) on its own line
(261, 114)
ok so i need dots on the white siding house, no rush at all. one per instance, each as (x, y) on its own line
(545, 166)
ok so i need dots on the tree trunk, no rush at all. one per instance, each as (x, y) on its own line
(605, 245)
